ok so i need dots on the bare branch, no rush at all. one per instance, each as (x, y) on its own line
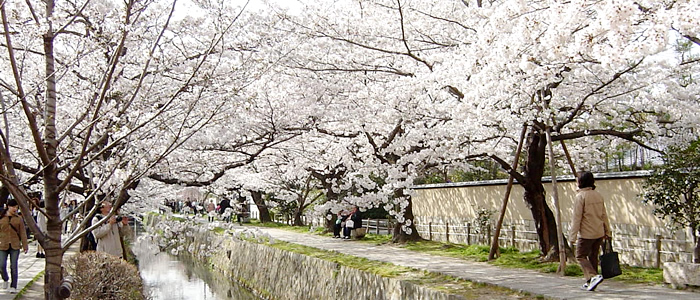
(578, 108)
(405, 42)
(629, 135)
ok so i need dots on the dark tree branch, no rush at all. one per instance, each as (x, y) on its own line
(629, 135)
(398, 129)
(505, 165)
(578, 108)
(405, 42)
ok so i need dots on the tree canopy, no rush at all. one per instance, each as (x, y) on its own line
(339, 102)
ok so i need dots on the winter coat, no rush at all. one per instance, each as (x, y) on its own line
(107, 236)
(11, 237)
(590, 219)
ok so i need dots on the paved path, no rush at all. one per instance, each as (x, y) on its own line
(548, 285)
(28, 267)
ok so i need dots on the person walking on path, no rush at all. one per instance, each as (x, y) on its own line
(41, 222)
(64, 212)
(590, 223)
(13, 236)
(107, 234)
(211, 211)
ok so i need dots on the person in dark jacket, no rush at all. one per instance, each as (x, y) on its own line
(356, 219)
(340, 219)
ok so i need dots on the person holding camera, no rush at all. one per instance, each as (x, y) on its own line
(107, 234)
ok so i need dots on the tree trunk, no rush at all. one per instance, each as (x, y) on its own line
(327, 179)
(262, 208)
(535, 195)
(400, 235)
(696, 258)
(53, 275)
(297, 217)
(4, 194)
(696, 238)
(330, 223)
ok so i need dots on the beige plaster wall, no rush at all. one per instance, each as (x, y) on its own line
(622, 200)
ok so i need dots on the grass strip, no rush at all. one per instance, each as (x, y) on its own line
(510, 257)
(436, 281)
(29, 284)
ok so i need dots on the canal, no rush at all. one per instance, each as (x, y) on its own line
(178, 278)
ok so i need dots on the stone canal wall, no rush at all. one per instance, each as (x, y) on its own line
(278, 274)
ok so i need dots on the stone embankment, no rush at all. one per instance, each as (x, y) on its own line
(278, 274)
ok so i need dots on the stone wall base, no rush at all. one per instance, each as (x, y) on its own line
(680, 275)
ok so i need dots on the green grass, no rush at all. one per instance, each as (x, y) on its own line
(448, 284)
(376, 239)
(380, 268)
(510, 258)
(256, 222)
(641, 275)
(531, 260)
(28, 286)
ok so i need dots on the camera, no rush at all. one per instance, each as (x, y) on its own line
(119, 218)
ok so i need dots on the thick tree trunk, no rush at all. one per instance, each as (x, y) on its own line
(535, 195)
(327, 179)
(330, 223)
(400, 235)
(52, 240)
(262, 208)
(296, 221)
(53, 276)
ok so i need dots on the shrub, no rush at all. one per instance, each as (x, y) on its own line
(98, 275)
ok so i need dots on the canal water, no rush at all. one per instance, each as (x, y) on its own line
(178, 278)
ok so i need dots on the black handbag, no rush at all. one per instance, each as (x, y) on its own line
(609, 261)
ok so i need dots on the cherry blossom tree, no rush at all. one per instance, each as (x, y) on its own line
(591, 73)
(100, 92)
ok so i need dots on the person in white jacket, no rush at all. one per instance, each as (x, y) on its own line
(107, 234)
(41, 222)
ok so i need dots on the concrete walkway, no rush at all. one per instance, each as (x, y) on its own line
(28, 266)
(535, 283)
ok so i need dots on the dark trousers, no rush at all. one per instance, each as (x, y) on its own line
(14, 256)
(587, 251)
(336, 229)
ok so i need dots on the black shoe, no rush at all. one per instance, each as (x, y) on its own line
(38, 255)
(43, 255)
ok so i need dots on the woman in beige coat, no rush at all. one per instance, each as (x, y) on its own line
(590, 223)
